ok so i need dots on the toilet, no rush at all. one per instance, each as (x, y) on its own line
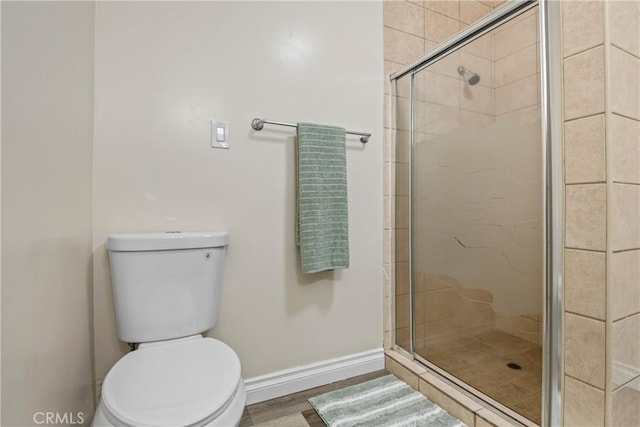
(166, 292)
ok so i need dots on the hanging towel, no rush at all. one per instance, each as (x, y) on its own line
(322, 230)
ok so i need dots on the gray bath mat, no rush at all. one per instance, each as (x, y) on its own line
(385, 401)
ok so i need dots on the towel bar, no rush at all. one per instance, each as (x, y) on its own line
(258, 124)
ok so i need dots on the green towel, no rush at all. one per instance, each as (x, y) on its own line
(322, 230)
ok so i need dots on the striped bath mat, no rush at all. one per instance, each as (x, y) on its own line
(385, 401)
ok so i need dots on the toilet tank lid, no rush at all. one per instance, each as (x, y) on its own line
(166, 241)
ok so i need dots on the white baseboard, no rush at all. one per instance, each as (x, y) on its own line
(301, 378)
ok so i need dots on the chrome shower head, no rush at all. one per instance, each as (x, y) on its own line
(471, 77)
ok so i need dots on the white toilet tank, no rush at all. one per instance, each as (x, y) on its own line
(166, 285)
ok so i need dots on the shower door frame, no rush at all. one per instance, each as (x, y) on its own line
(552, 180)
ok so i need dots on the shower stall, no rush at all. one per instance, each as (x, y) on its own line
(475, 300)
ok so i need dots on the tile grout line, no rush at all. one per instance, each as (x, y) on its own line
(573, 55)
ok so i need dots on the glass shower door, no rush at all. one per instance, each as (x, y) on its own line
(476, 215)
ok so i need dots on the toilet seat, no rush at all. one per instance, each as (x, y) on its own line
(184, 383)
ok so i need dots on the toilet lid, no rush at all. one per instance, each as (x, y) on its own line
(173, 384)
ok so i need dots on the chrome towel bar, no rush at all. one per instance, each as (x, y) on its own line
(258, 124)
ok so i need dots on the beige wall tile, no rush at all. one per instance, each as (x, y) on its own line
(402, 212)
(517, 95)
(624, 286)
(441, 90)
(419, 282)
(516, 66)
(482, 46)
(472, 10)
(433, 281)
(387, 340)
(402, 245)
(440, 119)
(625, 411)
(585, 216)
(451, 8)
(403, 319)
(401, 107)
(524, 116)
(404, 16)
(388, 147)
(387, 111)
(476, 98)
(403, 146)
(584, 347)
(486, 418)
(387, 213)
(388, 178)
(441, 304)
(388, 241)
(418, 308)
(447, 66)
(583, 404)
(410, 364)
(625, 83)
(419, 335)
(515, 36)
(401, 372)
(387, 313)
(471, 118)
(625, 149)
(439, 27)
(521, 327)
(418, 116)
(403, 337)
(584, 150)
(585, 290)
(402, 277)
(387, 280)
(582, 25)
(401, 47)
(448, 398)
(402, 179)
(625, 224)
(625, 348)
(441, 330)
(624, 27)
(584, 84)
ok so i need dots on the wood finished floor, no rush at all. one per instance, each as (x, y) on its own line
(264, 412)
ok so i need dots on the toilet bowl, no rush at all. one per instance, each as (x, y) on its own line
(192, 381)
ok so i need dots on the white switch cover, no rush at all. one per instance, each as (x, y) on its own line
(219, 134)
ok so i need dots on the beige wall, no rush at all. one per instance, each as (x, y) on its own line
(602, 175)
(162, 72)
(47, 100)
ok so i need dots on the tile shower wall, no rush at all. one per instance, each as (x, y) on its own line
(411, 28)
(601, 48)
(507, 62)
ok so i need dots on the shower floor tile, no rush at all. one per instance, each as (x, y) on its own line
(481, 361)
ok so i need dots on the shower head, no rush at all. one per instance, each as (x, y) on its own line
(471, 77)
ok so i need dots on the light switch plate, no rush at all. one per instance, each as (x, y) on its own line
(219, 134)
